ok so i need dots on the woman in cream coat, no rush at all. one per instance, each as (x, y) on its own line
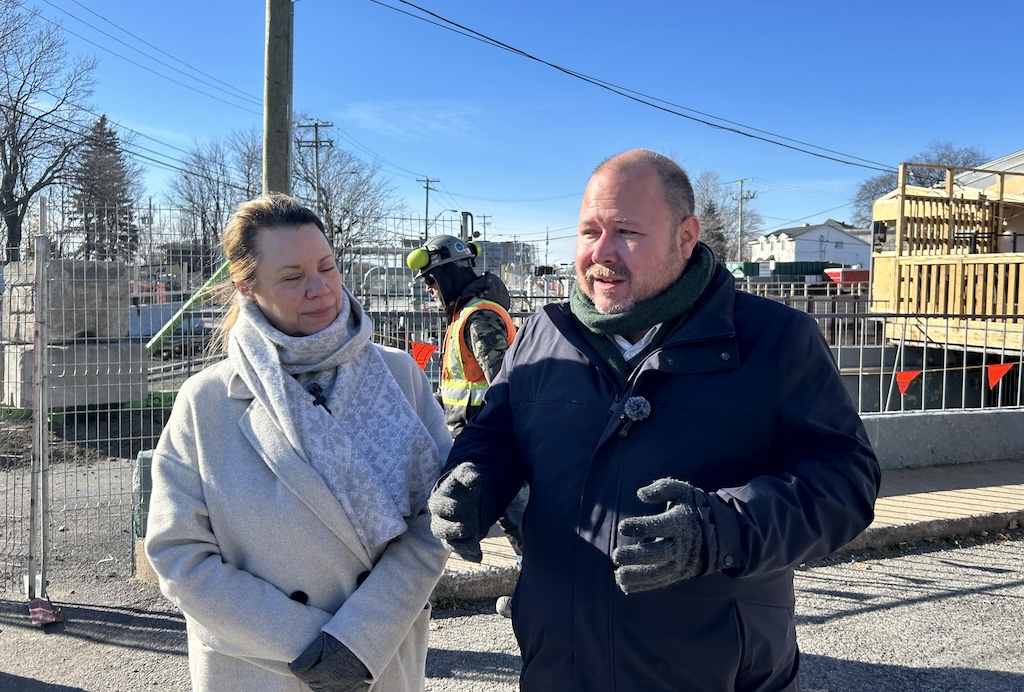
(288, 514)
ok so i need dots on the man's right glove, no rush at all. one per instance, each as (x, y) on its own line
(455, 509)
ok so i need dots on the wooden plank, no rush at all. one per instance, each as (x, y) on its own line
(942, 302)
(970, 284)
(1002, 304)
(914, 305)
(955, 302)
(989, 306)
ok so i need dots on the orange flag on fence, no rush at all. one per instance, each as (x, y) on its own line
(421, 353)
(996, 372)
(904, 378)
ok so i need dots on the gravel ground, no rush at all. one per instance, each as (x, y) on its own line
(940, 617)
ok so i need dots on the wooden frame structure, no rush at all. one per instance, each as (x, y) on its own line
(957, 252)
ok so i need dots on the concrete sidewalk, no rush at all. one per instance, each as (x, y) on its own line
(913, 504)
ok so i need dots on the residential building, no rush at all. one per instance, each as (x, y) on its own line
(831, 241)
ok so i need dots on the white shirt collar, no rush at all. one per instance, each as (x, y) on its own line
(629, 350)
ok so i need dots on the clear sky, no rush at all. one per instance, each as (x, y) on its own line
(513, 139)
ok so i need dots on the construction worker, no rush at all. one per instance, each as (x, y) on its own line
(479, 332)
(479, 327)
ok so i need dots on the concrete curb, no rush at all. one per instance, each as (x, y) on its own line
(488, 582)
(480, 585)
(883, 537)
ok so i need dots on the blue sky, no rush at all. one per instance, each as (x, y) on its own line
(514, 140)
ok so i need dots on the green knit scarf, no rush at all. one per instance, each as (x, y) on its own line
(671, 307)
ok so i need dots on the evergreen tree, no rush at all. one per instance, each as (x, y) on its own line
(712, 231)
(104, 183)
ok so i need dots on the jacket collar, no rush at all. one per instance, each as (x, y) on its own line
(709, 335)
(712, 316)
(237, 388)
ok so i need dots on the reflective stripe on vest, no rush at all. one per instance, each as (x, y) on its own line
(462, 379)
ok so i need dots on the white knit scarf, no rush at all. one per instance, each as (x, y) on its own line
(372, 451)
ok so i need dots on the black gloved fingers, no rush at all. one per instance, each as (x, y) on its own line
(455, 537)
(334, 668)
(664, 490)
(643, 553)
(634, 579)
(462, 484)
(665, 524)
(456, 507)
(443, 508)
(448, 530)
(468, 550)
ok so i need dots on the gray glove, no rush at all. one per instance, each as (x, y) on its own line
(328, 665)
(455, 510)
(673, 545)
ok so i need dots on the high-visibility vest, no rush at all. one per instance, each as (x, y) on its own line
(462, 379)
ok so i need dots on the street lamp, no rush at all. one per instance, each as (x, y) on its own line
(426, 229)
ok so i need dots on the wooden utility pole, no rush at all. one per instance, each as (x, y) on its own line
(277, 98)
(750, 194)
(426, 210)
(317, 143)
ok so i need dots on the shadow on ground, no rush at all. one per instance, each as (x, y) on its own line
(821, 673)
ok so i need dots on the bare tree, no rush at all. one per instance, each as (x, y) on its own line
(207, 188)
(42, 116)
(938, 153)
(354, 196)
(720, 202)
(245, 157)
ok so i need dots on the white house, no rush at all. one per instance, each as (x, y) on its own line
(832, 241)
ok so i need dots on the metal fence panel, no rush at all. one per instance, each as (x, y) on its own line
(110, 383)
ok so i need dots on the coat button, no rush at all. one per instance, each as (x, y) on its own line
(362, 577)
(670, 361)
(726, 355)
(300, 596)
(727, 561)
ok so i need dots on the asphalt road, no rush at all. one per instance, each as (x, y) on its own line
(935, 618)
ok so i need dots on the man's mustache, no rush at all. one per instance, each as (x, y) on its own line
(600, 271)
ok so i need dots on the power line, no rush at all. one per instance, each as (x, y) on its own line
(651, 101)
(317, 144)
(86, 136)
(162, 52)
(803, 218)
(170, 79)
(184, 166)
(240, 92)
(353, 141)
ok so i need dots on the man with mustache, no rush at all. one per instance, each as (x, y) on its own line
(686, 446)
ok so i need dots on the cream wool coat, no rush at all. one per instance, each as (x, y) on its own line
(239, 525)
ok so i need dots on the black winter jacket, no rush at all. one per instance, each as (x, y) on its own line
(748, 406)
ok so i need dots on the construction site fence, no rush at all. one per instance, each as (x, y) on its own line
(85, 403)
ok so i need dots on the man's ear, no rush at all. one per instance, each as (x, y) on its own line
(688, 233)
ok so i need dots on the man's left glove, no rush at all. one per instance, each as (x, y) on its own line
(327, 665)
(456, 507)
(672, 542)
